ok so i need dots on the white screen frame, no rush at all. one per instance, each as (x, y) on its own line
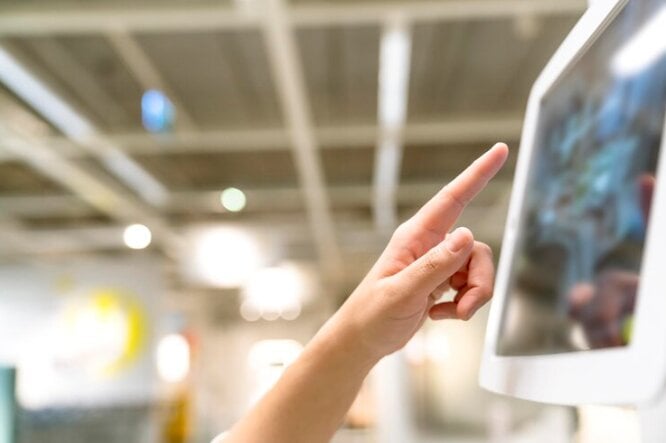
(629, 375)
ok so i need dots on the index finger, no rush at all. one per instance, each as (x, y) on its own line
(442, 211)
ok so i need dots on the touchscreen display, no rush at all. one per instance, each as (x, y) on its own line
(576, 268)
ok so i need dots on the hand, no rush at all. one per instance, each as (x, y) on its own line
(383, 313)
(420, 262)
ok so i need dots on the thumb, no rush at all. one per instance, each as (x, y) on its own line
(438, 264)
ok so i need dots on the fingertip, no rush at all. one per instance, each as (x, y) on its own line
(501, 150)
(466, 314)
(443, 311)
(463, 230)
(501, 146)
(471, 302)
(493, 160)
(459, 240)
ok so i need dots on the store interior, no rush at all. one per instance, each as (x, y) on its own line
(189, 189)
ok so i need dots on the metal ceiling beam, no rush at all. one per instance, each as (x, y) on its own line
(356, 236)
(42, 20)
(145, 72)
(68, 120)
(290, 84)
(259, 199)
(98, 193)
(441, 132)
(59, 59)
(65, 241)
(394, 68)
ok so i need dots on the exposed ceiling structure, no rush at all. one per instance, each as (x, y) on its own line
(278, 99)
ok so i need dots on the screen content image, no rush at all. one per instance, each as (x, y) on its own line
(576, 268)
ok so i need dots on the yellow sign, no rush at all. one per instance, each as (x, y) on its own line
(104, 331)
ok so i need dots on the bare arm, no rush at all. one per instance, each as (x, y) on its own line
(422, 259)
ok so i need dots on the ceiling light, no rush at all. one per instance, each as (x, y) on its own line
(249, 312)
(137, 236)
(157, 111)
(274, 292)
(173, 358)
(223, 257)
(233, 199)
(645, 48)
(393, 76)
(394, 65)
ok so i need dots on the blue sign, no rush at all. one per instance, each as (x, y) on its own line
(157, 111)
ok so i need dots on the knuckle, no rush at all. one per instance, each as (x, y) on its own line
(432, 260)
(401, 231)
(456, 201)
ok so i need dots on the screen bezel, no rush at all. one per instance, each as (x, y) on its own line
(627, 375)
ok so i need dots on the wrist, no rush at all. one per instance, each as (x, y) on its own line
(340, 342)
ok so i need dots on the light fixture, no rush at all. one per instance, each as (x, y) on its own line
(223, 257)
(173, 358)
(394, 75)
(249, 312)
(274, 292)
(645, 48)
(233, 199)
(394, 65)
(157, 111)
(137, 236)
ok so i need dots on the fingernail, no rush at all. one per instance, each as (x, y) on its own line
(458, 239)
(499, 144)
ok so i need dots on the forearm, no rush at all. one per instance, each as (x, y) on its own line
(310, 401)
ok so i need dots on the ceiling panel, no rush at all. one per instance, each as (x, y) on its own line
(18, 178)
(223, 79)
(217, 171)
(64, 221)
(445, 162)
(467, 68)
(87, 73)
(341, 71)
(348, 165)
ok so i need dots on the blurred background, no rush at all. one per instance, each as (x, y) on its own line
(189, 189)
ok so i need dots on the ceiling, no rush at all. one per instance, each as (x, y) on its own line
(297, 130)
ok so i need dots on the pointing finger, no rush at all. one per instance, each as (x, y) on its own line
(442, 211)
